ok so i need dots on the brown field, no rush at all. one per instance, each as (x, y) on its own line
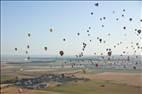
(114, 82)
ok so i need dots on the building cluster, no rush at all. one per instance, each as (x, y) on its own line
(42, 81)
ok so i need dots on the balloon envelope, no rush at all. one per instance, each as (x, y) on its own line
(139, 31)
(109, 53)
(29, 34)
(16, 49)
(61, 53)
(45, 48)
(51, 30)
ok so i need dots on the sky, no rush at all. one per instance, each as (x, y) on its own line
(67, 18)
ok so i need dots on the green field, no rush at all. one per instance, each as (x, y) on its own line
(95, 87)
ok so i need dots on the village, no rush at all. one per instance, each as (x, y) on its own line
(42, 81)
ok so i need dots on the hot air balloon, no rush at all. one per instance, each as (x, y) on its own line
(137, 44)
(28, 58)
(88, 34)
(109, 49)
(91, 13)
(113, 11)
(64, 39)
(130, 19)
(100, 40)
(124, 27)
(61, 53)
(51, 30)
(78, 34)
(15, 49)
(114, 46)
(28, 46)
(123, 52)
(134, 67)
(102, 25)
(26, 52)
(117, 19)
(109, 53)
(87, 30)
(29, 34)
(139, 31)
(97, 65)
(45, 48)
(108, 34)
(124, 10)
(96, 4)
(104, 18)
(89, 27)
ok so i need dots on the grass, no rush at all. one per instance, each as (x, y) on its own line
(95, 87)
(7, 77)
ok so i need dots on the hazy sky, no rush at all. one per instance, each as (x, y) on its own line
(67, 18)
